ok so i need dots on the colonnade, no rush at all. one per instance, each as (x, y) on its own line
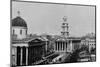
(63, 46)
(21, 55)
(60, 46)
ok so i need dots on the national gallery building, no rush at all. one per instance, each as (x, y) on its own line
(25, 50)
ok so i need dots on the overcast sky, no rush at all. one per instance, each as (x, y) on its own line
(47, 18)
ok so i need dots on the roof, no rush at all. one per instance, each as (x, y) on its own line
(18, 21)
(28, 39)
(68, 38)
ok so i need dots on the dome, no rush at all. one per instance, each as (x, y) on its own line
(18, 21)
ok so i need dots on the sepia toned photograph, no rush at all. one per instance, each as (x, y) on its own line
(44, 33)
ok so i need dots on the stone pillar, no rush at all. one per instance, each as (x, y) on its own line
(21, 55)
(65, 46)
(26, 55)
(71, 46)
(15, 55)
(61, 46)
(57, 46)
(54, 46)
(68, 46)
(46, 46)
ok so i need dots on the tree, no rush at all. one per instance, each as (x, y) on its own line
(75, 55)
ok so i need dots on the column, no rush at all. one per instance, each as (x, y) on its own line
(26, 55)
(60, 46)
(57, 46)
(71, 46)
(54, 46)
(21, 56)
(63, 46)
(46, 46)
(66, 46)
(15, 55)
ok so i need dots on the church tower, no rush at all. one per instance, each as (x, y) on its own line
(65, 27)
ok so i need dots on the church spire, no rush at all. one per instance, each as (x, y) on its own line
(65, 27)
(64, 18)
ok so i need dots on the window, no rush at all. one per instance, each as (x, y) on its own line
(13, 32)
(26, 32)
(20, 31)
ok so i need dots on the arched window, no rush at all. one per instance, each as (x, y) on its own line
(20, 31)
(26, 32)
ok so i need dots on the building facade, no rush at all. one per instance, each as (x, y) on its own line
(25, 50)
(67, 44)
(19, 28)
(89, 41)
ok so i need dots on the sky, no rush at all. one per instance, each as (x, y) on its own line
(42, 18)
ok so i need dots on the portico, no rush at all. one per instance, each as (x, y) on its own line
(60, 46)
(63, 46)
(20, 56)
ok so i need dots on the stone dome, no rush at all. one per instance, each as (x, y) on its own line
(18, 21)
